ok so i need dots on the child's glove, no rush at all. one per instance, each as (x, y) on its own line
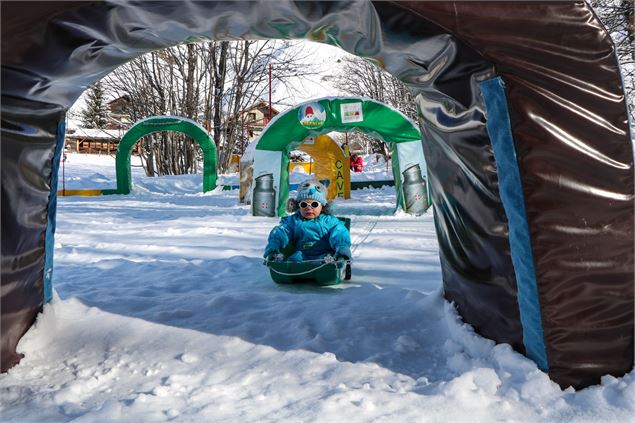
(270, 253)
(343, 253)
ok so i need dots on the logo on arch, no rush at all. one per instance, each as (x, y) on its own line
(312, 115)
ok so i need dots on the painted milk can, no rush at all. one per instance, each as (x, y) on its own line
(414, 190)
(264, 202)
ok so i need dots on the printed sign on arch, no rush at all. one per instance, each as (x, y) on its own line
(352, 112)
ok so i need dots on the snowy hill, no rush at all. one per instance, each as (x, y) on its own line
(164, 312)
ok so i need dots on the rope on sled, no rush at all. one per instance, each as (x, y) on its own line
(300, 273)
(364, 235)
(325, 262)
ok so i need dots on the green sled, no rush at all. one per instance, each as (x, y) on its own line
(319, 273)
(287, 272)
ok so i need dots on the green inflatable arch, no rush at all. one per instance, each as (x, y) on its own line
(159, 124)
(342, 114)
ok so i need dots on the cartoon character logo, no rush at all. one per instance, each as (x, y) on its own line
(312, 116)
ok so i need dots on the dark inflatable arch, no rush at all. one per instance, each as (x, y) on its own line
(529, 154)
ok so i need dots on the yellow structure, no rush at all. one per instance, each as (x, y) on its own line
(246, 172)
(79, 192)
(329, 162)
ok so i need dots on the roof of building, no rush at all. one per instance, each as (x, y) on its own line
(261, 103)
(95, 133)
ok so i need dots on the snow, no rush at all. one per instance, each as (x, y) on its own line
(375, 169)
(163, 311)
(94, 133)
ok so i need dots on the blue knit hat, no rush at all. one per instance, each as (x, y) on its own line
(313, 190)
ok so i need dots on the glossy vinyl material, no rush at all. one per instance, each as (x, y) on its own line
(568, 121)
(470, 220)
(28, 144)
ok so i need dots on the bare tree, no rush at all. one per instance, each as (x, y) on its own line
(360, 77)
(247, 82)
(211, 83)
(218, 66)
(618, 16)
(157, 84)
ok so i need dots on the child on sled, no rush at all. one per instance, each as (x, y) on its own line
(311, 229)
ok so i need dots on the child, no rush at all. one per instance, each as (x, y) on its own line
(312, 230)
(357, 163)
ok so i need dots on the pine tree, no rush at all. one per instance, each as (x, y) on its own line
(95, 115)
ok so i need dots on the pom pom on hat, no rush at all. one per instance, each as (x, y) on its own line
(313, 190)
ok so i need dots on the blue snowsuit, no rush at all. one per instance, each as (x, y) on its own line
(312, 238)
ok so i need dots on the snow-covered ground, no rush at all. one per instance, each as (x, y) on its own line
(164, 312)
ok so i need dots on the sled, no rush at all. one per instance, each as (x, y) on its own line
(327, 271)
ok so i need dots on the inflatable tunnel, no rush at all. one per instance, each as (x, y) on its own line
(288, 130)
(522, 109)
(154, 124)
(328, 163)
